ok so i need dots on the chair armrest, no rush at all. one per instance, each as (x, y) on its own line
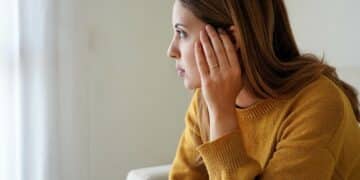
(150, 173)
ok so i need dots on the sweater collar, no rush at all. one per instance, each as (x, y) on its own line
(257, 109)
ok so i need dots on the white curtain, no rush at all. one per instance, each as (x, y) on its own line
(10, 123)
(39, 138)
(38, 95)
(28, 91)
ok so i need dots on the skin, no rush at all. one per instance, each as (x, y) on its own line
(198, 48)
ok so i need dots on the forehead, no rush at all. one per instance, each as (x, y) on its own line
(184, 16)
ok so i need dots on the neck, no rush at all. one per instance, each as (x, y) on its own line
(245, 99)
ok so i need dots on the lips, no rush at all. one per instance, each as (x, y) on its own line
(178, 68)
(180, 71)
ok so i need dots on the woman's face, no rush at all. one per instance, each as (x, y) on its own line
(186, 32)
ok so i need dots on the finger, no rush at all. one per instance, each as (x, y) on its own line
(218, 46)
(210, 56)
(200, 61)
(229, 48)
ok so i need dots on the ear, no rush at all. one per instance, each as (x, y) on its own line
(234, 35)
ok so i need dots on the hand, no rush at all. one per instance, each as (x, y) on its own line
(219, 69)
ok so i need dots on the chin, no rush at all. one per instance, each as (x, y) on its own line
(191, 85)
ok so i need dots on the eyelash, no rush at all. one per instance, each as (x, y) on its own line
(181, 33)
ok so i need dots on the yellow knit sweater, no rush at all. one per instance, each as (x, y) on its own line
(313, 135)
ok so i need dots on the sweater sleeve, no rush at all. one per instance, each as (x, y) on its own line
(185, 165)
(308, 145)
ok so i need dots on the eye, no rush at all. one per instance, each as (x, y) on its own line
(182, 34)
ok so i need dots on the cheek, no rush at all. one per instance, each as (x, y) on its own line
(193, 75)
(190, 62)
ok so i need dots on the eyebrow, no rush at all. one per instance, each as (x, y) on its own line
(178, 24)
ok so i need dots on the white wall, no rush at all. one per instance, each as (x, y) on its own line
(122, 103)
(128, 105)
(138, 103)
(328, 27)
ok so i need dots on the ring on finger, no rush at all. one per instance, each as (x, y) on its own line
(214, 66)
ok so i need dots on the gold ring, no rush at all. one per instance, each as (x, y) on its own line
(214, 66)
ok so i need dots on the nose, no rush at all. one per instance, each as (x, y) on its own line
(173, 51)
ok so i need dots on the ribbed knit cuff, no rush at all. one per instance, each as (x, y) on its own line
(226, 153)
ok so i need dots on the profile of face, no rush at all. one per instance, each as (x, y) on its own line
(186, 28)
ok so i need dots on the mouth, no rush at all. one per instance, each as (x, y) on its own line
(180, 71)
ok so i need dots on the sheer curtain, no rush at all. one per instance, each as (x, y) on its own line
(10, 118)
(38, 139)
(28, 92)
(38, 92)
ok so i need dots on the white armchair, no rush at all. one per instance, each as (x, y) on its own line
(150, 173)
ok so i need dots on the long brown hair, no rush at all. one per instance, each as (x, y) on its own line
(269, 57)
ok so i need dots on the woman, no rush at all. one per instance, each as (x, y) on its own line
(260, 110)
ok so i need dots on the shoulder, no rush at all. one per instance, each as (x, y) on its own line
(315, 111)
(322, 91)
